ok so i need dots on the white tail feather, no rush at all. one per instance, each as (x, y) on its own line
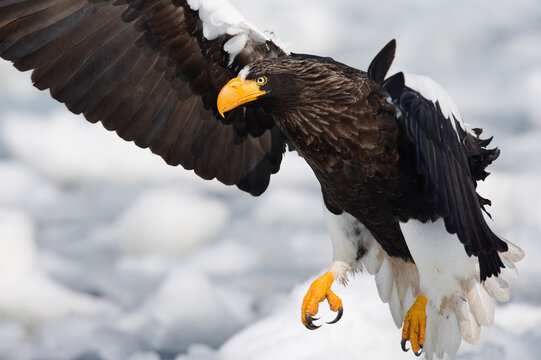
(372, 260)
(384, 280)
(408, 301)
(481, 304)
(469, 328)
(498, 288)
(449, 335)
(510, 271)
(397, 282)
(442, 332)
(513, 254)
(395, 305)
(439, 352)
(431, 334)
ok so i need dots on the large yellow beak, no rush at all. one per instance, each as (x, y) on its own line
(237, 92)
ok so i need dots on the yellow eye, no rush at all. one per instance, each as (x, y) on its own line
(262, 80)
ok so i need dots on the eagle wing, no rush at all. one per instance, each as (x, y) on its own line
(445, 156)
(151, 71)
(449, 157)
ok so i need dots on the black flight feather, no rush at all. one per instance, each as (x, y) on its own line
(382, 62)
(449, 168)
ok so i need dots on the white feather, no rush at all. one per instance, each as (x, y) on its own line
(408, 301)
(449, 334)
(469, 328)
(440, 258)
(510, 271)
(439, 352)
(513, 254)
(236, 43)
(397, 281)
(384, 280)
(450, 280)
(458, 304)
(442, 331)
(219, 17)
(432, 91)
(481, 304)
(498, 288)
(431, 333)
(395, 305)
(372, 260)
(348, 234)
(244, 72)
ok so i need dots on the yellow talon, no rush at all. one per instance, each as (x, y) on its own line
(415, 325)
(319, 291)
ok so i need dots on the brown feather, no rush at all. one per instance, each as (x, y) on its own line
(57, 46)
(145, 70)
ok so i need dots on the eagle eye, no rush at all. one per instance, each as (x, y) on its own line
(262, 80)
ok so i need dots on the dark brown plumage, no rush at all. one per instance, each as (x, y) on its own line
(199, 86)
(381, 151)
(382, 162)
(145, 70)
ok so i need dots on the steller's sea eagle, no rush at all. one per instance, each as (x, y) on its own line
(202, 87)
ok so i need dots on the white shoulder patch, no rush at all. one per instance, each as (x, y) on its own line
(432, 91)
(219, 17)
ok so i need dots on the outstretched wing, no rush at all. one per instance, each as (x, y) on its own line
(451, 159)
(151, 71)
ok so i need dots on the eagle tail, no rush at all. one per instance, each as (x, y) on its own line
(459, 303)
(461, 316)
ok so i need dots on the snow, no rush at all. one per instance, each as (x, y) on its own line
(170, 221)
(22, 281)
(210, 273)
(184, 307)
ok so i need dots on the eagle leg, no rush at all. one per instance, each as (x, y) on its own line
(415, 326)
(319, 291)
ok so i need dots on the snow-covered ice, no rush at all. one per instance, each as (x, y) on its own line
(29, 294)
(107, 253)
(170, 221)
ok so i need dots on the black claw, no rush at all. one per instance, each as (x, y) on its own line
(338, 316)
(418, 353)
(310, 322)
(403, 345)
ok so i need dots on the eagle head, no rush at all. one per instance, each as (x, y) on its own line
(277, 82)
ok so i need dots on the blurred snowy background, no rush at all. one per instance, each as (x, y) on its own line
(106, 253)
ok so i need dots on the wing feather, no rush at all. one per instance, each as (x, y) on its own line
(443, 151)
(59, 44)
(151, 71)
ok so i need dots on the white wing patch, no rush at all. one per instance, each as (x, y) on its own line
(219, 17)
(432, 91)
